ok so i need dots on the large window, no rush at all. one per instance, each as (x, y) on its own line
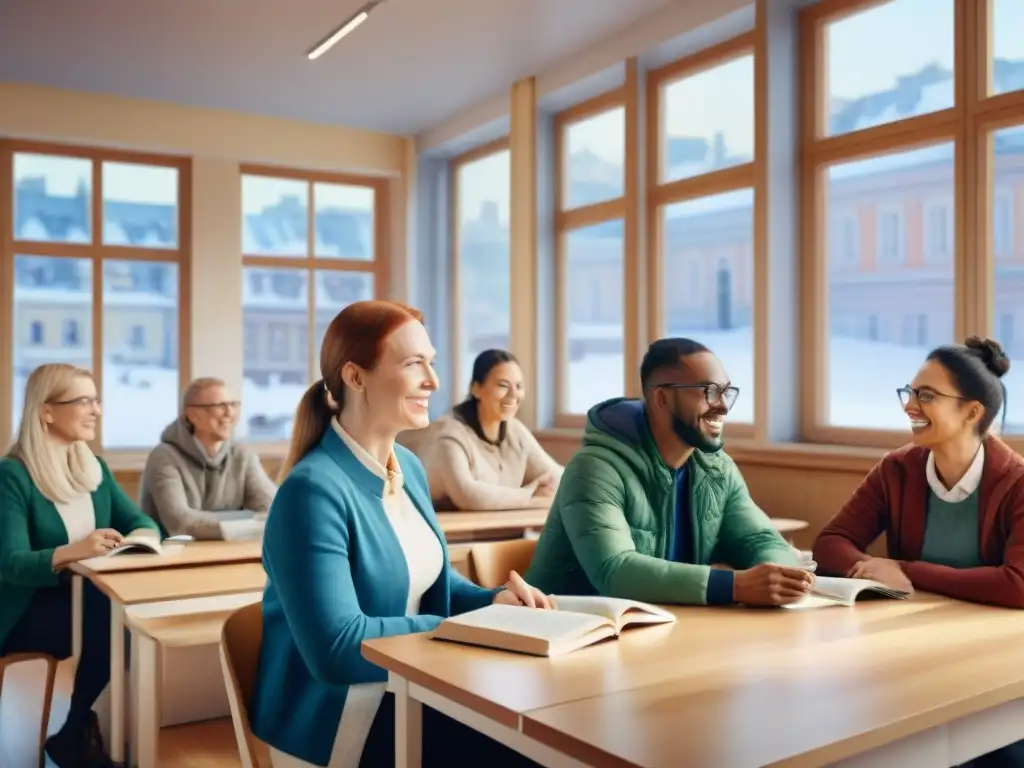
(590, 201)
(95, 274)
(702, 190)
(311, 245)
(904, 141)
(481, 182)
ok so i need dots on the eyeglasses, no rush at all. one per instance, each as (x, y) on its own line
(230, 405)
(79, 402)
(714, 394)
(924, 396)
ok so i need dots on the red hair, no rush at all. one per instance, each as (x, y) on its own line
(356, 335)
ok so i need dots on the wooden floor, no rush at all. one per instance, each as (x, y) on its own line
(195, 745)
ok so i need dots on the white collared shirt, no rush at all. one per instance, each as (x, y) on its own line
(968, 483)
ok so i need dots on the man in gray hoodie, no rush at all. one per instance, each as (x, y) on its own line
(198, 477)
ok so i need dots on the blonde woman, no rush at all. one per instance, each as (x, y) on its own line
(60, 504)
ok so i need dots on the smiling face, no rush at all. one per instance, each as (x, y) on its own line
(213, 412)
(398, 389)
(72, 415)
(686, 391)
(936, 410)
(501, 393)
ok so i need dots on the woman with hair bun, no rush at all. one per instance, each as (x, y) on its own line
(951, 503)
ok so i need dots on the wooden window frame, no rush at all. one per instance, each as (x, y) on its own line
(568, 220)
(378, 266)
(968, 124)
(749, 175)
(460, 378)
(98, 253)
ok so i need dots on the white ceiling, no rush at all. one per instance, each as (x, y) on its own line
(413, 64)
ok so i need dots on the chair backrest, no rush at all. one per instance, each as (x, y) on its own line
(239, 657)
(491, 561)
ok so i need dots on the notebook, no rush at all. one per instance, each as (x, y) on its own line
(577, 623)
(828, 590)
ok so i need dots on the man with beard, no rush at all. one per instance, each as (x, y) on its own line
(650, 500)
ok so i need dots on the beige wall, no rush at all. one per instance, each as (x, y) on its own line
(217, 141)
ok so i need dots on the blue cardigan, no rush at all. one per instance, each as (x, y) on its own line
(336, 576)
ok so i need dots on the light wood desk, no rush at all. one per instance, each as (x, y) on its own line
(154, 585)
(466, 526)
(188, 555)
(926, 682)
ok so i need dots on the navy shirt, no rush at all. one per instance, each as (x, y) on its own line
(719, 591)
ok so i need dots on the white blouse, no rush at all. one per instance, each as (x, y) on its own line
(424, 559)
(78, 516)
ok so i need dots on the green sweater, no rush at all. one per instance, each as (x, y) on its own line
(951, 533)
(612, 521)
(31, 528)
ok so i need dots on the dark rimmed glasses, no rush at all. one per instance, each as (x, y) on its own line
(714, 394)
(78, 402)
(230, 405)
(924, 396)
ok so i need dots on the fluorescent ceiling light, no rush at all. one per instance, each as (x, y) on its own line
(331, 40)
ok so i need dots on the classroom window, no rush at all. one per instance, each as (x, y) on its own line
(1007, 275)
(703, 201)
(1007, 47)
(310, 248)
(721, 229)
(702, 130)
(590, 255)
(904, 51)
(482, 275)
(133, 252)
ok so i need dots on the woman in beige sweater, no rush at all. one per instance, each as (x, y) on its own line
(480, 457)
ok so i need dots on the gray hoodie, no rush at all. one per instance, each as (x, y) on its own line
(187, 491)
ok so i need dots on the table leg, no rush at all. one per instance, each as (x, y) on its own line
(76, 617)
(408, 725)
(116, 682)
(148, 678)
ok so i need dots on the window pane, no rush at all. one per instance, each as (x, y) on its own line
(595, 159)
(890, 304)
(140, 351)
(52, 198)
(909, 71)
(275, 313)
(708, 283)
(1007, 46)
(702, 131)
(335, 291)
(274, 216)
(1008, 328)
(52, 319)
(483, 269)
(593, 297)
(344, 221)
(140, 205)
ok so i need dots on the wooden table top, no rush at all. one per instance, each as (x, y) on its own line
(481, 522)
(157, 585)
(789, 524)
(192, 554)
(803, 687)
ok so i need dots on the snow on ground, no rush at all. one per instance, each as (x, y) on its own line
(138, 402)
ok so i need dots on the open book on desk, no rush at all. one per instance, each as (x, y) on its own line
(578, 622)
(828, 590)
(138, 544)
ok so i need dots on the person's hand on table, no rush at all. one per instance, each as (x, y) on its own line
(769, 584)
(882, 570)
(518, 592)
(96, 544)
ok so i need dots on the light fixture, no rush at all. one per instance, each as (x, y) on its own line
(329, 42)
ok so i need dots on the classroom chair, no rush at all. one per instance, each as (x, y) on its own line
(51, 675)
(239, 657)
(491, 561)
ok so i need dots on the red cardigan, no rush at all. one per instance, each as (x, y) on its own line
(893, 499)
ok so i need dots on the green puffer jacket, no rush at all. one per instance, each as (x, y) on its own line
(612, 521)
